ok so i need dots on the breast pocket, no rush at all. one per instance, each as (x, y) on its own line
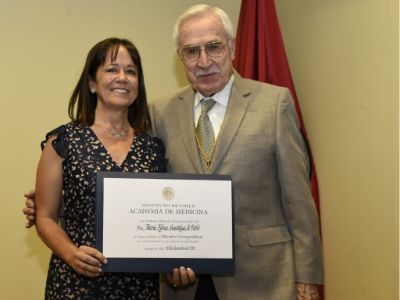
(251, 147)
(256, 159)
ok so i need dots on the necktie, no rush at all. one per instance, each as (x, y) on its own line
(205, 134)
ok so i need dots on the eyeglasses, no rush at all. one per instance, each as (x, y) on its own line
(192, 52)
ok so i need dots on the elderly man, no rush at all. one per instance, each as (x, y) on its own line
(224, 124)
(255, 138)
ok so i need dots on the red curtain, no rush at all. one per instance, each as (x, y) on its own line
(260, 55)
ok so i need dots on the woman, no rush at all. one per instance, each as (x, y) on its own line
(107, 132)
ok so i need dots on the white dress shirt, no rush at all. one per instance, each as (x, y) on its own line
(217, 113)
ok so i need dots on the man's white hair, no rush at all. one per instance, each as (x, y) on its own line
(200, 10)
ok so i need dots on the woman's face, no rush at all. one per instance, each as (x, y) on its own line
(116, 82)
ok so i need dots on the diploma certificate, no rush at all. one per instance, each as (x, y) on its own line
(154, 222)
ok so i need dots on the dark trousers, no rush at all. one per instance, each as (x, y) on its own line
(205, 288)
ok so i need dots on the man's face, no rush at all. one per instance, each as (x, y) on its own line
(209, 73)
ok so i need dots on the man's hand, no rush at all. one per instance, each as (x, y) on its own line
(306, 291)
(181, 277)
(29, 209)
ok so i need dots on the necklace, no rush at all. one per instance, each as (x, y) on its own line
(117, 134)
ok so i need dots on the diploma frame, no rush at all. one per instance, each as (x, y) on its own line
(206, 265)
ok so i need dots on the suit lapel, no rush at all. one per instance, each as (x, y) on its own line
(186, 127)
(236, 110)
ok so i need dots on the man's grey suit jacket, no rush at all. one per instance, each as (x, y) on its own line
(276, 223)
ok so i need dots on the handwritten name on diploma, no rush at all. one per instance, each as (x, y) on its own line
(171, 227)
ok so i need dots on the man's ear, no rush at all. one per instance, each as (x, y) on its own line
(179, 55)
(232, 48)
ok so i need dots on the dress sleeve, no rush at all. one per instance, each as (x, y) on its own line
(60, 143)
(160, 163)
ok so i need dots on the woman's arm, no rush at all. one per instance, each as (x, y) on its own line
(49, 180)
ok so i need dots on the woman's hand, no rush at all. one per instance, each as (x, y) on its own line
(87, 261)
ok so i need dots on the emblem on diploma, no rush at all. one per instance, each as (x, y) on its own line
(168, 193)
